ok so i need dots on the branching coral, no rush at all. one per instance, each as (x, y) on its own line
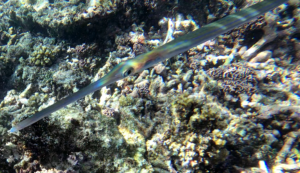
(44, 55)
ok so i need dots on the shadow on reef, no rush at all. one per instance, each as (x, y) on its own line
(7, 67)
(69, 146)
(104, 25)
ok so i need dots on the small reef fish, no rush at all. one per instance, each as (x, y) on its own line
(168, 50)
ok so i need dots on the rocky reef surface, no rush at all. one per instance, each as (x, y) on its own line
(230, 104)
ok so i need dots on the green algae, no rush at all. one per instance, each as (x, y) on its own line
(126, 101)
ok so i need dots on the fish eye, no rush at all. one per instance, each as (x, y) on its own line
(127, 72)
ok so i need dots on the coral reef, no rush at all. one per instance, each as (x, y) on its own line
(226, 105)
(235, 78)
(43, 55)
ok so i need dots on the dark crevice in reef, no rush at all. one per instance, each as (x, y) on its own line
(3, 91)
(26, 23)
(252, 36)
(6, 71)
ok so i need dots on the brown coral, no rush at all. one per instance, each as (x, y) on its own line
(235, 78)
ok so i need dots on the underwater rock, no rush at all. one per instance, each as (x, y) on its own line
(261, 57)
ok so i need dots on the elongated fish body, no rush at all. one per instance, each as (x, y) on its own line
(159, 54)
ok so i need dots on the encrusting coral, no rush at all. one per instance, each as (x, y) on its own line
(235, 78)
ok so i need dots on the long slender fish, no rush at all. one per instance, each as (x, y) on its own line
(159, 54)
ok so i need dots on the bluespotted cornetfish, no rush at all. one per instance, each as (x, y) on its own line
(149, 59)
